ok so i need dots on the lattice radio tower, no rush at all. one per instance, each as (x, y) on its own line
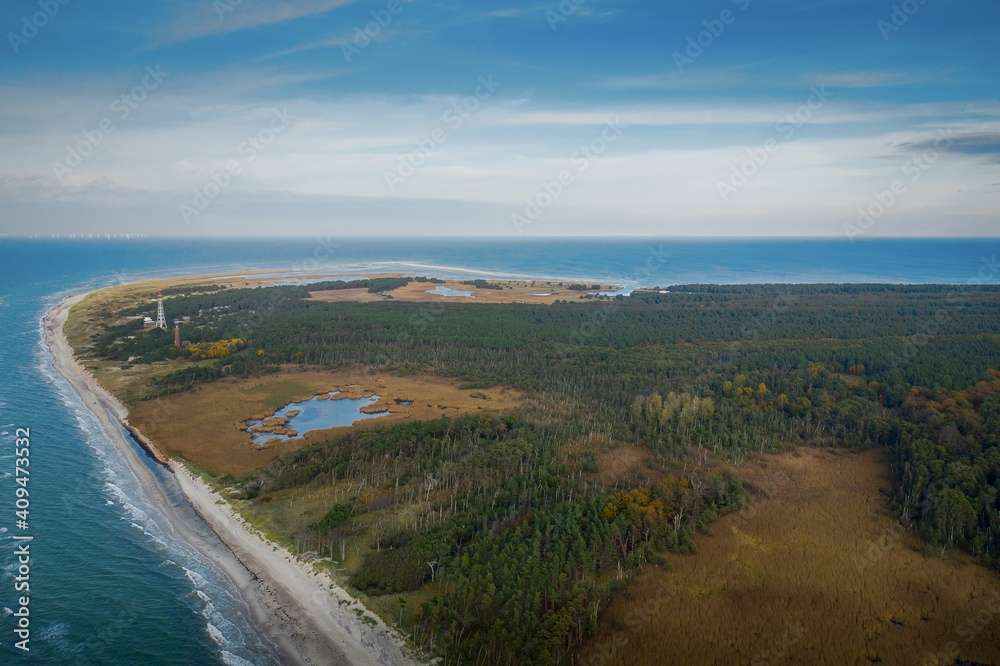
(161, 319)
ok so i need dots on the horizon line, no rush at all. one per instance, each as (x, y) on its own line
(271, 238)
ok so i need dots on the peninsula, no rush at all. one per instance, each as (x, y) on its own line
(399, 468)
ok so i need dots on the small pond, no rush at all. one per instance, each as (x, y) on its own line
(448, 291)
(317, 413)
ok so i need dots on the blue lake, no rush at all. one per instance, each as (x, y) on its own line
(317, 414)
(448, 291)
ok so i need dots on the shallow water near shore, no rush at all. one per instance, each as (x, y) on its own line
(109, 581)
(109, 584)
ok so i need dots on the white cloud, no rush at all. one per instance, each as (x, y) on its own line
(194, 19)
(875, 78)
(332, 160)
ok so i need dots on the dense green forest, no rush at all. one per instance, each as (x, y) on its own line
(518, 539)
(511, 526)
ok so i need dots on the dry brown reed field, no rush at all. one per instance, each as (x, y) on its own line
(513, 291)
(202, 425)
(819, 573)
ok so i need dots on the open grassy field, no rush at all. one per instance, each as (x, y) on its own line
(624, 463)
(513, 291)
(203, 425)
(819, 573)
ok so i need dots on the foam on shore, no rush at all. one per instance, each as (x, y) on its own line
(292, 605)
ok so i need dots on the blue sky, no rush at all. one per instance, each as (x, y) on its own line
(726, 118)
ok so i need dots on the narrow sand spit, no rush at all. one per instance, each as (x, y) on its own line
(295, 607)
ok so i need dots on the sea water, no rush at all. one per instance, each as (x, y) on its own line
(109, 584)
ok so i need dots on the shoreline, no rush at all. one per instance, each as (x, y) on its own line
(296, 608)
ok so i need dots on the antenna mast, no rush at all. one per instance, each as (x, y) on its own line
(161, 319)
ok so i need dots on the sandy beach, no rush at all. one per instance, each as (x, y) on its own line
(297, 609)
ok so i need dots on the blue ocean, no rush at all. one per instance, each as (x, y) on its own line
(109, 584)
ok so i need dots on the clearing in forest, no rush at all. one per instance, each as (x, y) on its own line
(819, 573)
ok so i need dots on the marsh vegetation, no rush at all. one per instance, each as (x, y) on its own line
(501, 532)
